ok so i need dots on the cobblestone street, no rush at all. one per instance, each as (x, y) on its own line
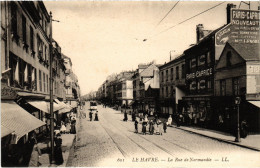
(112, 142)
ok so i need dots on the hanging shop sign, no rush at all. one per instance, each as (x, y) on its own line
(245, 26)
(8, 93)
(200, 73)
(222, 36)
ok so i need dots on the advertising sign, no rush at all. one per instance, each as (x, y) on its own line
(222, 36)
(200, 73)
(245, 26)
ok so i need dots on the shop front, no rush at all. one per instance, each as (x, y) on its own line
(196, 110)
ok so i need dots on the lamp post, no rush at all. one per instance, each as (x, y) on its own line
(51, 93)
(237, 102)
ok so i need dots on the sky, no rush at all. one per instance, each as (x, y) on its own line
(106, 37)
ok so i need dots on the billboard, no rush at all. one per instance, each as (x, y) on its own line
(245, 26)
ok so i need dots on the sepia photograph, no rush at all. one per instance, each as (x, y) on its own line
(101, 83)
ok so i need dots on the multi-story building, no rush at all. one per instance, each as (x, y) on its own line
(238, 75)
(24, 63)
(124, 88)
(172, 85)
(71, 84)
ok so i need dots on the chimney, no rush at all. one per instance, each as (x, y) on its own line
(229, 7)
(199, 32)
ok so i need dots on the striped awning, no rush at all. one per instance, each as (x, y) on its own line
(45, 106)
(16, 119)
(5, 131)
(66, 108)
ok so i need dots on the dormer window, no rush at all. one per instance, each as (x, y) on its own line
(229, 54)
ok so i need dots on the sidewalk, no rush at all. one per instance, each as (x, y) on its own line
(67, 142)
(250, 142)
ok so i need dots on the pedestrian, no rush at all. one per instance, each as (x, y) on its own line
(144, 124)
(125, 117)
(133, 116)
(90, 115)
(159, 126)
(58, 152)
(136, 125)
(170, 120)
(36, 153)
(73, 125)
(96, 116)
(151, 127)
(164, 126)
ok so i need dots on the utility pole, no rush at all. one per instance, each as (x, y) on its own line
(237, 102)
(51, 95)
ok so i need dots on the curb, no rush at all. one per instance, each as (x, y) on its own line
(219, 139)
(71, 152)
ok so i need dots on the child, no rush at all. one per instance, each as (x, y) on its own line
(151, 128)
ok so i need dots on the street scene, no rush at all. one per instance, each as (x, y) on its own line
(130, 84)
(113, 142)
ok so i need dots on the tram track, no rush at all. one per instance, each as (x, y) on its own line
(165, 150)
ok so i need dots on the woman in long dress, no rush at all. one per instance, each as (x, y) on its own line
(96, 116)
(58, 152)
(170, 120)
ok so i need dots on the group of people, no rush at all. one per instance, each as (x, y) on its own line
(155, 126)
(69, 125)
(91, 114)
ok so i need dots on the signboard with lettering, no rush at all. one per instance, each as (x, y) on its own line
(253, 69)
(200, 73)
(222, 36)
(245, 26)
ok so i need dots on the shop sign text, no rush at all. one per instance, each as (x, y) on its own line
(201, 73)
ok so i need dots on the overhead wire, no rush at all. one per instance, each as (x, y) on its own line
(188, 19)
(167, 13)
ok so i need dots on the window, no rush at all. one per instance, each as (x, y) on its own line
(223, 87)
(31, 39)
(162, 76)
(201, 60)
(40, 80)
(182, 71)
(209, 84)
(162, 92)
(45, 53)
(47, 83)
(235, 83)
(171, 73)
(166, 75)
(177, 72)
(229, 58)
(24, 29)
(34, 79)
(208, 58)
(193, 63)
(21, 72)
(171, 91)
(167, 92)
(14, 18)
(44, 84)
(39, 46)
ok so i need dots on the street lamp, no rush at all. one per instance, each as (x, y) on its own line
(51, 93)
(237, 102)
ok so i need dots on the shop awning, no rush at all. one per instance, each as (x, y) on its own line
(66, 108)
(5, 131)
(73, 104)
(131, 103)
(15, 118)
(256, 103)
(45, 106)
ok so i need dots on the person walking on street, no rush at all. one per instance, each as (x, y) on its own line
(170, 120)
(151, 127)
(90, 115)
(57, 150)
(125, 117)
(136, 125)
(73, 125)
(164, 126)
(144, 124)
(96, 116)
